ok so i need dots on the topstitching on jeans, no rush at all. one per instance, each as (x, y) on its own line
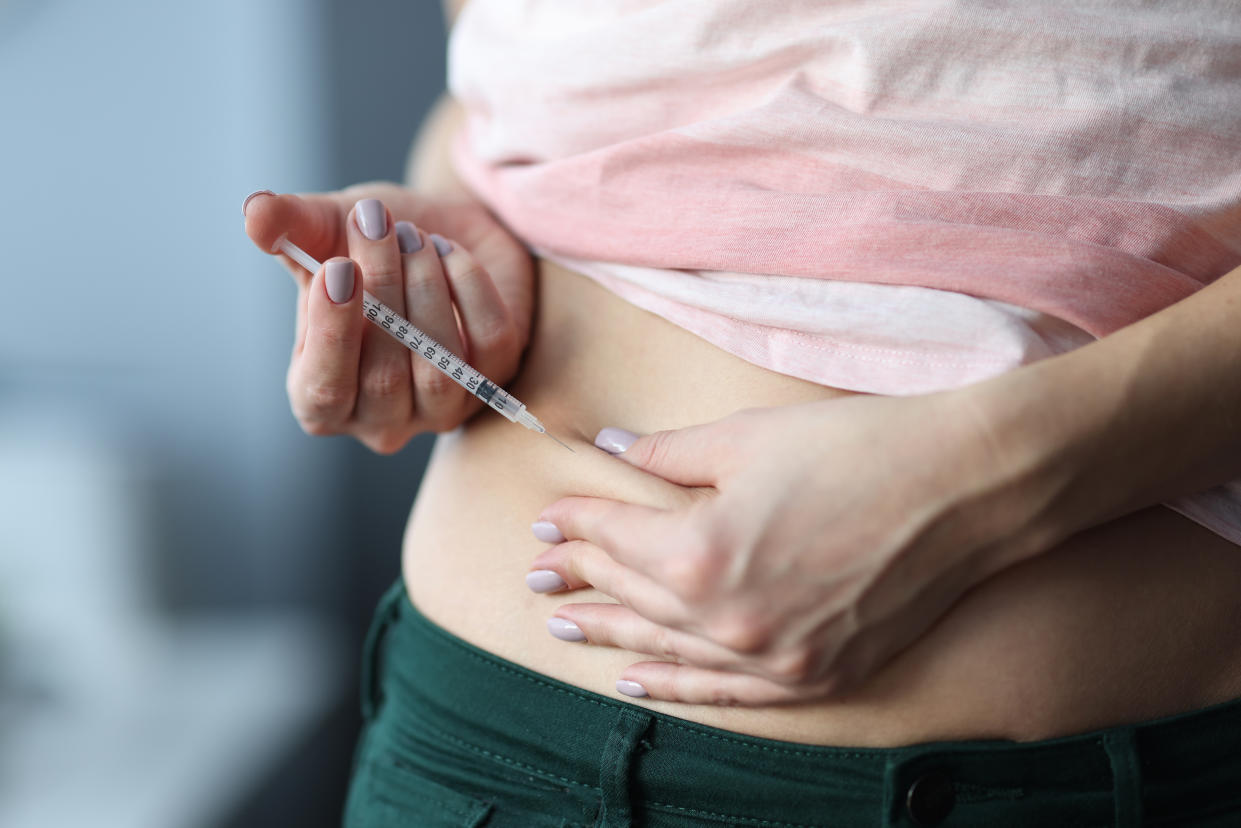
(577, 694)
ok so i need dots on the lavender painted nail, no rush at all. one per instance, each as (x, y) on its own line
(547, 532)
(565, 630)
(372, 218)
(407, 237)
(631, 688)
(544, 580)
(338, 275)
(442, 245)
(246, 203)
(615, 440)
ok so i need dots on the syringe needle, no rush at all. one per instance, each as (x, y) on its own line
(553, 436)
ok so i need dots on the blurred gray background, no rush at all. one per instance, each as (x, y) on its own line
(185, 577)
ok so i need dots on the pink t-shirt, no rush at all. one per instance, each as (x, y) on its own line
(892, 197)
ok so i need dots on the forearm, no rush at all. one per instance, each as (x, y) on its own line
(428, 169)
(443, 203)
(1146, 414)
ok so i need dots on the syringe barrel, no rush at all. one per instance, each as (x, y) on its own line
(420, 343)
(500, 400)
(453, 366)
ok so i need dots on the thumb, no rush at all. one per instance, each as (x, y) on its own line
(692, 456)
(314, 223)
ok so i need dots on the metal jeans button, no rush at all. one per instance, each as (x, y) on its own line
(930, 798)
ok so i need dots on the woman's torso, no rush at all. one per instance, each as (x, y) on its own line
(1132, 620)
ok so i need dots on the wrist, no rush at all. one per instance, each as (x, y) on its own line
(1040, 432)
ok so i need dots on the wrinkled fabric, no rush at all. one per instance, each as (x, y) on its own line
(889, 197)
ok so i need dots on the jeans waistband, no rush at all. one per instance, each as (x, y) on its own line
(1128, 775)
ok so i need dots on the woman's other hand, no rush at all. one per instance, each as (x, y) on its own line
(348, 377)
(819, 541)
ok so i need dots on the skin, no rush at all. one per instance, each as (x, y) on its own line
(1126, 622)
(771, 581)
(780, 583)
(787, 579)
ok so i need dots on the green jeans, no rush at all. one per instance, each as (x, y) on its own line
(455, 736)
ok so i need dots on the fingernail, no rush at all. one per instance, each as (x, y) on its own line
(246, 203)
(615, 440)
(372, 218)
(631, 688)
(544, 580)
(442, 245)
(565, 630)
(547, 532)
(407, 237)
(339, 277)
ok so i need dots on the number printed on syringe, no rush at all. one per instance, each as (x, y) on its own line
(445, 360)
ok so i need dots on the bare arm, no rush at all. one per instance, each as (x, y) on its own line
(827, 537)
(428, 169)
(1149, 413)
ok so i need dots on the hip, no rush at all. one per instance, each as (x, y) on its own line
(455, 736)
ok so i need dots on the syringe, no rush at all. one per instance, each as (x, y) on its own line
(456, 368)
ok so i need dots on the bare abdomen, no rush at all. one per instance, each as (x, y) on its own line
(1132, 620)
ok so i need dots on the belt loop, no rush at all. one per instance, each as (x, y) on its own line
(1121, 747)
(616, 767)
(389, 606)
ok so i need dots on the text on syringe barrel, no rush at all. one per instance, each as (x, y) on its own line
(453, 366)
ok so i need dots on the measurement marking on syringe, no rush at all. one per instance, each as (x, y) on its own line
(449, 363)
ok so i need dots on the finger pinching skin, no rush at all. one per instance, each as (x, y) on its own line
(547, 532)
(545, 580)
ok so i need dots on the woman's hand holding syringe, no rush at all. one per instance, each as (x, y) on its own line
(349, 377)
